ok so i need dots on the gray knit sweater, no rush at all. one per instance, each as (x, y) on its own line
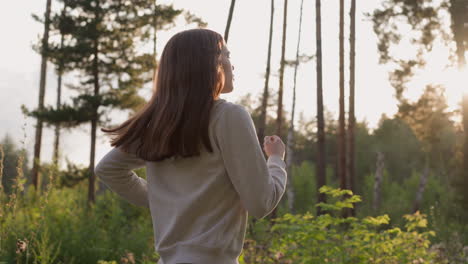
(199, 205)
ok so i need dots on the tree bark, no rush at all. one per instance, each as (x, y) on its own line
(321, 166)
(342, 133)
(56, 155)
(458, 13)
(289, 163)
(351, 117)
(279, 117)
(94, 121)
(262, 125)
(421, 188)
(155, 27)
(464, 174)
(42, 86)
(458, 10)
(228, 24)
(290, 140)
(378, 181)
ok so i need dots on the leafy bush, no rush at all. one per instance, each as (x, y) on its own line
(330, 238)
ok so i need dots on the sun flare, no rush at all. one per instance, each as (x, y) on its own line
(455, 81)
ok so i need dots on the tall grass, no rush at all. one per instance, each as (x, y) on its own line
(56, 225)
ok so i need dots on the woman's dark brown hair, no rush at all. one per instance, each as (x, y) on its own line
(174, 123)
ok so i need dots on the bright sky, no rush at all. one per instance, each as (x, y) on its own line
(248, 39)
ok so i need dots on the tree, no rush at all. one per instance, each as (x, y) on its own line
(155, 30)
(321, 156)
(60, 70)
(228, 24)
(162, 18)
(105, 36)
(279, 115)
(342, 131)
(425, 19)
(42, 84)
(458, 10)
(378, 181)
(290, 139)
(402, 150)
(427, 117)
(351, 115)
(422, 17)
(262, 124)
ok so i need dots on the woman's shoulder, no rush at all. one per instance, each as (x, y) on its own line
(224, 108)
(228, 114)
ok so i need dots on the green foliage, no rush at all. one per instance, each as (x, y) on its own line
(303, 238)
(66, 231)
(400, 147)
(11, 154)
(424, 19)
(103, 43)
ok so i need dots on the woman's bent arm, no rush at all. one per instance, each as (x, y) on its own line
(260, 184)
(115, 170)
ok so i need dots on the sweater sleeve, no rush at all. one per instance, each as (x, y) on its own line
(115, 170)
(259, 183)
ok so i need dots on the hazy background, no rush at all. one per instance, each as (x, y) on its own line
(248, 39)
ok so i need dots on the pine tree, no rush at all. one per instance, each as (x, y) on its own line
(342, 133)
(229, 20)
(290, 139)
(351, 115)
(60, 70)
(321, 156)
(279, 115)
(266, 94)
(42, 85)
(104, 37)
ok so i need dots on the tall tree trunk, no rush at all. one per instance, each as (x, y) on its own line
(464, 175)
(422, 187)
(378, 181)
(2, 162)
(228, 24)
(94, 121)
(262, 125)
(321, 166)
(342, 132)
(57, 126)
(290, 140)
(279, 117)
(56, 155)
(351, 117)
(155, 27)
(42, 85)
(458, 10)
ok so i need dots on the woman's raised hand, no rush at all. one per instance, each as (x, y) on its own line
(273, 145)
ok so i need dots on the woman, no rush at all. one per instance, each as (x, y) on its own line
(205, 168)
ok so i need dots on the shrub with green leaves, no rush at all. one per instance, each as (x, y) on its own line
(331, 238)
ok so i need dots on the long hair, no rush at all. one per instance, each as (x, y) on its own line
(174, 123)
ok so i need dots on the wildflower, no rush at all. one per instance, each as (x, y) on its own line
(129, 258)
(21, 246)
(279, 255)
